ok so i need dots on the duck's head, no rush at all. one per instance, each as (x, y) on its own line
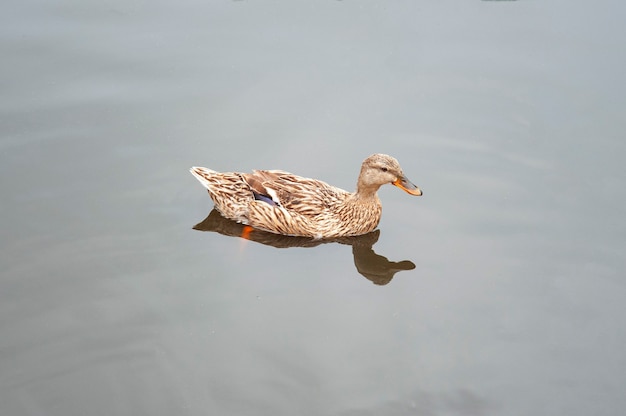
(378, 170)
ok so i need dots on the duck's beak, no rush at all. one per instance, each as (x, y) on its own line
(405, 184)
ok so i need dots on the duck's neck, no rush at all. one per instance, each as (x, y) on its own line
(365, 193)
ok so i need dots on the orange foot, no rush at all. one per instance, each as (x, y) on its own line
(245, 233)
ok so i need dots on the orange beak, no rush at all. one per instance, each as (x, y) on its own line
(405, 184)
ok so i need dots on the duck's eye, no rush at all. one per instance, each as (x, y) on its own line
(384, 169)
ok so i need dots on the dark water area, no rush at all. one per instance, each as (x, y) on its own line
(499, 292)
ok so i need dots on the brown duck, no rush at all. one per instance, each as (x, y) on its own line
(283, 203)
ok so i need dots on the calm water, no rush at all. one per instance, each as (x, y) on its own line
(499, 292)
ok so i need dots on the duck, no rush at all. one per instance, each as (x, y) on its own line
(283, 203)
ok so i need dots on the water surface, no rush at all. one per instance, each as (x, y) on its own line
(509, 115)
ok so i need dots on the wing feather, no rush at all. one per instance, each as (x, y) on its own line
(301, 195)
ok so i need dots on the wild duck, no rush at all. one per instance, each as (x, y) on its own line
(283, 203)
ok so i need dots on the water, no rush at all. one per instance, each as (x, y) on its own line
(509, 116)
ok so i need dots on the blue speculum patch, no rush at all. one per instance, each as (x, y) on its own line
(264, 198)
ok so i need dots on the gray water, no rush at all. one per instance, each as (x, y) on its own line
(508, 114)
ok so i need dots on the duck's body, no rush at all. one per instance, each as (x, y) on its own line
(284, 203)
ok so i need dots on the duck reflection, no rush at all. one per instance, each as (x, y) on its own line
(374, 267)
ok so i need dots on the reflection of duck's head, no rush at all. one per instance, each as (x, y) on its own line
(374, 267)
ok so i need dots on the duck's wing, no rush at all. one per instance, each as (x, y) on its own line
(294, 193)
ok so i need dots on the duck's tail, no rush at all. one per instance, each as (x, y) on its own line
(203, 175)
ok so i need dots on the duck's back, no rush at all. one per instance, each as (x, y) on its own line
(305, 196)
